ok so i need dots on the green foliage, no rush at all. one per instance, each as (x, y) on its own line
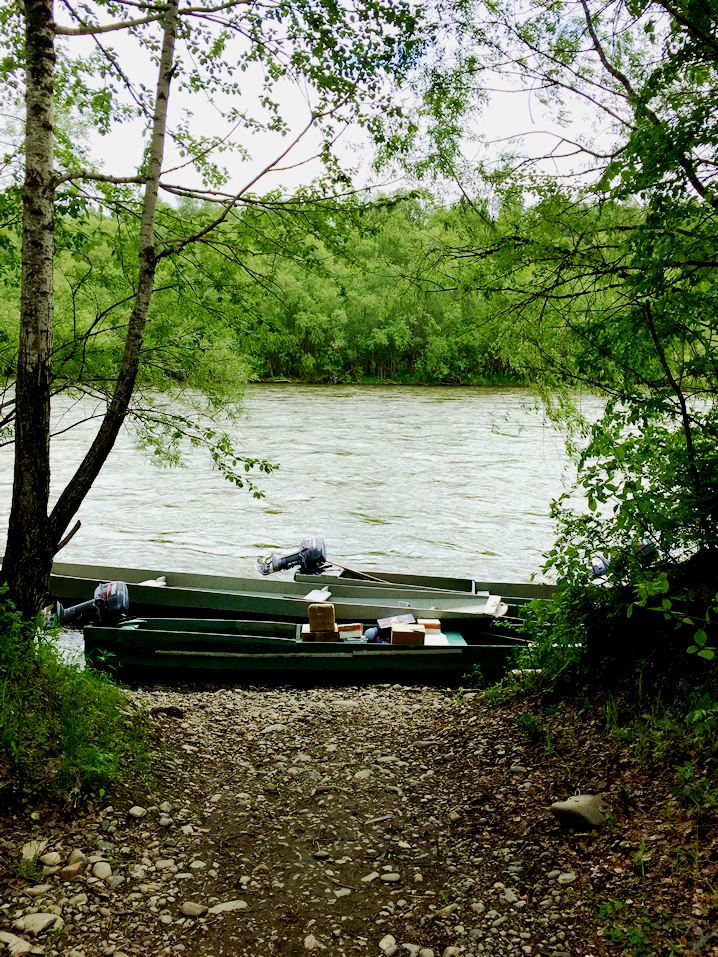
(65, 729)
(695, 790)
(530, 727)
(556, 632)
(637, 931)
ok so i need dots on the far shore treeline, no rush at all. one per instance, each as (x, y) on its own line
(386, 289)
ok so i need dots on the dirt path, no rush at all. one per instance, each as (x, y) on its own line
(372, 821)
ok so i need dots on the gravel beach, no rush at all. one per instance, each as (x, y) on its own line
(376, 821)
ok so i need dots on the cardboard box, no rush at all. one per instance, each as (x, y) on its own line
(350, 632)
(309, 635)
(321, 617)
(432, 626)
(407, 634)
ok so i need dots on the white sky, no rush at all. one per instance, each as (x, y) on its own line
(505, 116)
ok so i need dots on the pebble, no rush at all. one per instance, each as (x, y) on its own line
(310, 942)
(137, 811)
(391, 877)
(37, 890)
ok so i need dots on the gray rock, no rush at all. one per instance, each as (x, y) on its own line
(228, 906)
(73, 871)
(190, 909)
(102, 870)
(52, 859)
(38, 890)
(37, 923)
(32, 850)
(580, 811)
(15, 945)
(137, 811)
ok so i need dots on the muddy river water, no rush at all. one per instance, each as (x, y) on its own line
(425, 479)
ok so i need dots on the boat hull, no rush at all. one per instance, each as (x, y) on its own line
(285, 600)
(245, 651)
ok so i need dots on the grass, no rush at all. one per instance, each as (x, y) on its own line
(66, 730)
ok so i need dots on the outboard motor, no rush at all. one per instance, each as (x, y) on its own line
(645, 549)
(311, 558)
(109, 605)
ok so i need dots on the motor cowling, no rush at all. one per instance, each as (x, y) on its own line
(311, 557)
(110, 603)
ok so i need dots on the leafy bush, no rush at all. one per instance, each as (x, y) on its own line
(65, 729)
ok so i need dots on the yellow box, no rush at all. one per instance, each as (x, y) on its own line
(321, 617)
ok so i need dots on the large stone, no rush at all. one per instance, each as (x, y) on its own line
(228, 906)
(582, 811)
(52, 859)
(15, 945)
(32, 850)
(37, 923)
(102, 870)
(73, 871)
(190, 909)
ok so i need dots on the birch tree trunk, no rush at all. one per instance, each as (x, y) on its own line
(29, 550)
(33, 535)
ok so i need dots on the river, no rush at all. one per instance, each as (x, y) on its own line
(408, 479)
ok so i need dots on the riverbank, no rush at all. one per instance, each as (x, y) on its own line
(384, 820)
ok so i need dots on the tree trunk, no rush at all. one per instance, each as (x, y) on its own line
(29, 550)
(33, 536)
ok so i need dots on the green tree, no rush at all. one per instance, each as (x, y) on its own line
(610, 280)
(346, 58)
